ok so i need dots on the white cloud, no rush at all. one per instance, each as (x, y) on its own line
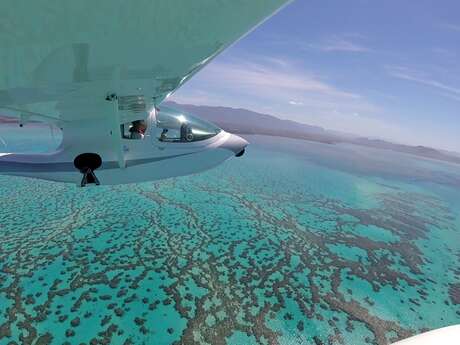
(422, 78)
(282, 88)
(450, 26)
(257, 77)
(341, 43)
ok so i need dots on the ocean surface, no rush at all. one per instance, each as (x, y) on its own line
(294, 243)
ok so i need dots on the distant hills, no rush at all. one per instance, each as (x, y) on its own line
(242, 121)
(7, 119)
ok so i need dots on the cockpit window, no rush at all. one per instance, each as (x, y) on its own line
(175, 126)
(134, 130)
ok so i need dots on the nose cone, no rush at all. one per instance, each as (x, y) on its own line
(235, 144)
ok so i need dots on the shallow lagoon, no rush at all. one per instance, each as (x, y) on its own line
(295, 243)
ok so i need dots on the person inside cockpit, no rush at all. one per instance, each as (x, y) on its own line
(183, 132)
(137, 129)
(164, 134)
(186, 132)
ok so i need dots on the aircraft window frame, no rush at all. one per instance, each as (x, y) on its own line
(126, 133)
(179, 127)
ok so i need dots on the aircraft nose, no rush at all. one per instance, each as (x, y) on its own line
(236, 144)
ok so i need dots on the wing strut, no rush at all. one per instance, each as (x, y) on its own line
(116, 135)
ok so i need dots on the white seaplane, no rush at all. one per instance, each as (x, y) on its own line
(99, 70)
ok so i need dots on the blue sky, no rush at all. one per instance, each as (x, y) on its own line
(387, 69)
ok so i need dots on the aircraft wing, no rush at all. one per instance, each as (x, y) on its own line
(60, 59)
(441, 336)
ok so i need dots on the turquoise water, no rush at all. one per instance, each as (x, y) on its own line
(295, 243)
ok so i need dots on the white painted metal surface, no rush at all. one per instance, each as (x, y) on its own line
(442, 336)
(74, 63)
(60, 58)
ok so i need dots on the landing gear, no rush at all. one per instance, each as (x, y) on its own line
(89, 177)
(87, 163)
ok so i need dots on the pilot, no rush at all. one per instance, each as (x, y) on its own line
(137, 129)
(164, 134)
(183, 131)
(186, 132)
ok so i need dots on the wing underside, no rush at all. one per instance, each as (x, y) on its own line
(60, 59)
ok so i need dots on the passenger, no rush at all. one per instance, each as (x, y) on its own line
(164, 134)
(189, 136)
(183, 132)
(137, 129)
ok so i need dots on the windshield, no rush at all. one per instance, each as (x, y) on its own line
(178, 126)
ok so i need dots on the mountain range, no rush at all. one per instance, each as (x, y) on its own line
(247, 122)
(243, 121)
